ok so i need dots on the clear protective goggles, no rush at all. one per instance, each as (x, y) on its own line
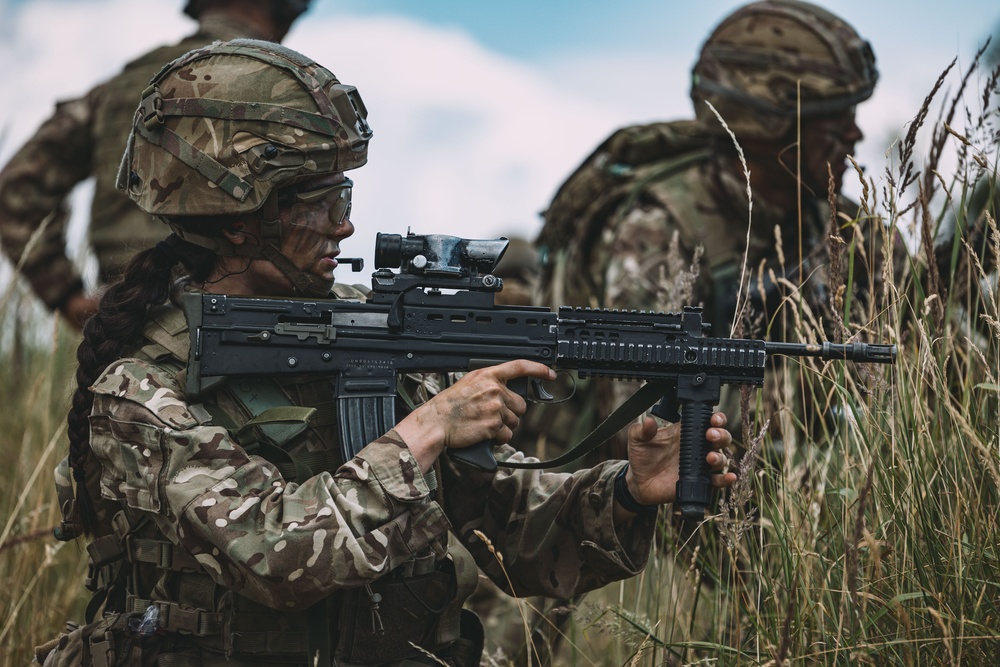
(340, 209)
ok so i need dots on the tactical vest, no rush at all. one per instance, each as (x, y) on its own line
(614, 174)
(140, 577)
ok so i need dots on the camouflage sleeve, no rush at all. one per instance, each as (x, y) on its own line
(283, 544)
(33, 187)
(554, 532)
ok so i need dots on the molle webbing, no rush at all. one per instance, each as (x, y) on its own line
(179, 617)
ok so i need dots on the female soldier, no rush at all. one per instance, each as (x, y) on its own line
(210, 547)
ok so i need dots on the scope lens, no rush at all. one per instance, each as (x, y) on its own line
(388, 251)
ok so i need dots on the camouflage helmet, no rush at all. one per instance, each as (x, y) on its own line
(769, 61)
(282, 11)
(221, 127)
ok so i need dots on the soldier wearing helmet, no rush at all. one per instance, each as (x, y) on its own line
(227, 528)
(657, 217)
(85, 137)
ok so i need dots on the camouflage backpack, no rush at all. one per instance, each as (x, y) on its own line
(615, 173)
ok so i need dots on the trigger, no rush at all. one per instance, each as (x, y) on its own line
(538, 391)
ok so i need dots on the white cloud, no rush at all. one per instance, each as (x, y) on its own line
(466, 141)
(58, 49)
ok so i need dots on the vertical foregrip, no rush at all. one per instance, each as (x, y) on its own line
(694, 486)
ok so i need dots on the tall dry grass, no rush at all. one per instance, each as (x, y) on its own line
(871, 535)
(41, 578)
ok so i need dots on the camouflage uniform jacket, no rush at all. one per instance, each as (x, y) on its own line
(84, 137)
(287, 545)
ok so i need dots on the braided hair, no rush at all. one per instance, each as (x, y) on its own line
(114, 330)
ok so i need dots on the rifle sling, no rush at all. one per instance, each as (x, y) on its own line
(638, 403)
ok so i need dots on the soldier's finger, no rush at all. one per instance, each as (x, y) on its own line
(521, 368)
(724, 480)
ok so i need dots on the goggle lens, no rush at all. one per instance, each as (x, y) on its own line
(340, 209)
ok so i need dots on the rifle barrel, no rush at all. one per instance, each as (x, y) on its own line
(860, 352)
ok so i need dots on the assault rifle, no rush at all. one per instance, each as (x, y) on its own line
(438, 314)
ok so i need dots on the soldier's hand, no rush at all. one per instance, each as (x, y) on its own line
(654, 459)
(478, 407)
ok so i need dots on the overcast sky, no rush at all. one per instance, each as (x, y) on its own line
(479, 109)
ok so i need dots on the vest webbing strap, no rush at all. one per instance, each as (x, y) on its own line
(105, 550)
(277, 424)
(175, 617)
(162, 554)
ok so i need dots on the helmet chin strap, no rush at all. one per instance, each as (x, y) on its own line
(270, 224)
(303, 283)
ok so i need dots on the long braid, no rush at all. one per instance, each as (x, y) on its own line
(114, 330)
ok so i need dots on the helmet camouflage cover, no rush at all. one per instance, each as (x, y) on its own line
(769, 61)
(220, 128)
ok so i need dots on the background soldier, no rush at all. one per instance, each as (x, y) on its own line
(86, 137)
(656, 218)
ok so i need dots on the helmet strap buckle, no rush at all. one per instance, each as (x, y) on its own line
(151, 107)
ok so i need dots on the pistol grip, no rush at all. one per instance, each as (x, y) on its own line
(479, 455)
